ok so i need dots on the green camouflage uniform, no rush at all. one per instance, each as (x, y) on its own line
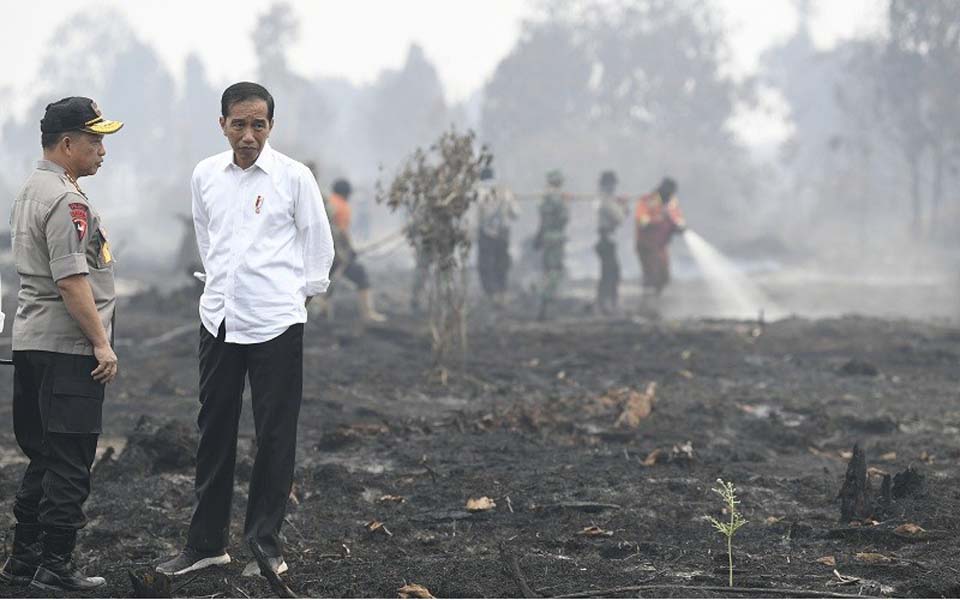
(552, 239)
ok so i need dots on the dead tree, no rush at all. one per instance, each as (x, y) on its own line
(436, 187)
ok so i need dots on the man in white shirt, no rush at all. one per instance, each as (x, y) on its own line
(266, 248)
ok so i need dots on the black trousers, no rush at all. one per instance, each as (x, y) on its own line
(275, 369)
(357, 274)
(609, 285)
(354, 271)
(57, 419)
(493, 262)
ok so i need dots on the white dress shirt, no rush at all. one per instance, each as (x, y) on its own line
(265, 243)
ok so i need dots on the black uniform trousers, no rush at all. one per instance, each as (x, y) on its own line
(493, 262)
(57, 419)
(609, 285)
(275, 369)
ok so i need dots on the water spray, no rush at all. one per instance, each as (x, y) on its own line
(737, 297)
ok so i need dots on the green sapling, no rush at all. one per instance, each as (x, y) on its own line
(728, 492)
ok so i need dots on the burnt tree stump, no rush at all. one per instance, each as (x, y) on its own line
(907, 483)
(854, 494)
(858, 502)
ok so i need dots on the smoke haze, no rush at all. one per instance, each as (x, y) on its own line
(851, 186)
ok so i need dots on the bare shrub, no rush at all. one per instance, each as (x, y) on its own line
(436, 188)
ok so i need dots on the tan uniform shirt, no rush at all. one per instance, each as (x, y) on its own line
(611, 212)
(57, 233)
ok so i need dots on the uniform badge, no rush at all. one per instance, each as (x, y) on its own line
(105, 255)
(78, 214)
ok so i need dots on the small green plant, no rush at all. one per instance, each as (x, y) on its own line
(728, 529)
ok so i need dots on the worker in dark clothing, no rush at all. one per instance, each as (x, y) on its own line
(496, 209)
(611, 212)
(346, 261)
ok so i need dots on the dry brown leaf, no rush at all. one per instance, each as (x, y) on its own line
(830, 561)
(534, 362)
(685, 374)
(390, 498)
(909, 529)
(873, 558)
(773, 520)
(480, 504)
(414, 590)
(594, 531)
(637, 407)
(926, 457)
(846, 454)
(889, 456)
(562, 375)
(378, 527)
(875, 472)
(686, 354)
(652, 458)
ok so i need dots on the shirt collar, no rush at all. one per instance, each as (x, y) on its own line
(265, 161)
(49, 165)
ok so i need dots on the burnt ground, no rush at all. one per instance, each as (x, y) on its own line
(530, 424)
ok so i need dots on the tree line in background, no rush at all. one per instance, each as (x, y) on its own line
(876, 139)
(637, 87)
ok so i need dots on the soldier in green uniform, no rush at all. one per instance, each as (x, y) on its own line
(552, 238)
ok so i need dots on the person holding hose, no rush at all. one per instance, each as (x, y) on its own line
(347, 262)
(658, 218)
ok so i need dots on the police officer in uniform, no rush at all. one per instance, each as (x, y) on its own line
(62, 350)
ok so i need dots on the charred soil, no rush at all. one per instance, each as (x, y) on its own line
(597, 479)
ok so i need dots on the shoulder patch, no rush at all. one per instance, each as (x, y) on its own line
(79, 216)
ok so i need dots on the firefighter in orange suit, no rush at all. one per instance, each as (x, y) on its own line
(658, 218)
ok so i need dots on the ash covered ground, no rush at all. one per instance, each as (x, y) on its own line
(549, 421)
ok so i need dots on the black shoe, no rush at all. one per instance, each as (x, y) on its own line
(25, 558)
(65, 578)
(57, 572)
(192, 560)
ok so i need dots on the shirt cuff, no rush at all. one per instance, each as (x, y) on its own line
(71, 264)
(315, 288)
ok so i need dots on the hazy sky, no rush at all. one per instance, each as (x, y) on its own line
(357, 39)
